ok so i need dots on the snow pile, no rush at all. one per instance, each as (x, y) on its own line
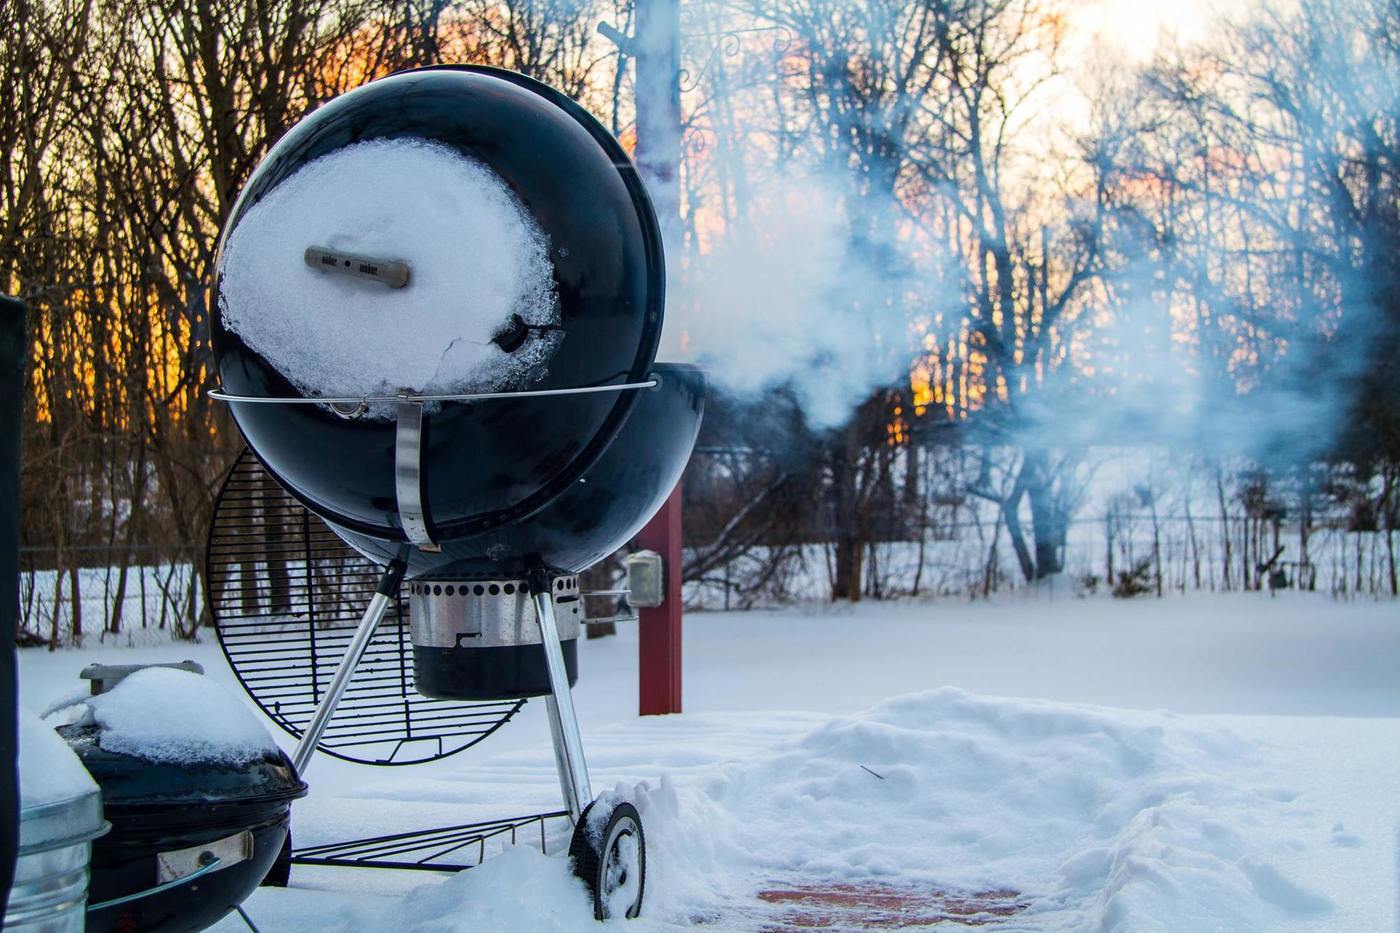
(163, 714)
(476, 257)
(1097, 818)
(1074, 817)
(521, 889)
(49, 771)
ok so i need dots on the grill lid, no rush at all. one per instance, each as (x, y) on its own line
(129, 781)
(464, 468)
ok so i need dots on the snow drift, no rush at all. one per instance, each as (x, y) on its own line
(1073, 817)
(49, 771)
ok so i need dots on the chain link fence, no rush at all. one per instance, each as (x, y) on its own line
(153, 593)
(143, 593)
(1121, 554)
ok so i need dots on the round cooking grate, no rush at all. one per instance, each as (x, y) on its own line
(286, 595)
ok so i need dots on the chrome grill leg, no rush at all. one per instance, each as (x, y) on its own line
(563, 721)
(385, 593)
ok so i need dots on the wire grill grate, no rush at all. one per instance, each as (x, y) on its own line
(286, 595)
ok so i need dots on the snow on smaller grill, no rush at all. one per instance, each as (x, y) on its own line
(49, 772)
(167, 715)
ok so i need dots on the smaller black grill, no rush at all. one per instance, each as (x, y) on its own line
(192, 835)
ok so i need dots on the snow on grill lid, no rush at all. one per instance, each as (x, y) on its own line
(476, 258)
(167, 715)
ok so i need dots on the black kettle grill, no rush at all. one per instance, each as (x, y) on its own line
(489, 501)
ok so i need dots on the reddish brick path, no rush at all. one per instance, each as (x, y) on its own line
(873, 906)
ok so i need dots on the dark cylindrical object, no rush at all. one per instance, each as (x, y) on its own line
(49, 892)
(508, 673)
(480, 640)
(12, 355)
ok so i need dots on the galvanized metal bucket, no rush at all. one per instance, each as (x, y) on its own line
(51, 876)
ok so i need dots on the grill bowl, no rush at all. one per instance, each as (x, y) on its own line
(598, 513)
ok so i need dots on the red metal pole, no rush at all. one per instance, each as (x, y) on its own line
(659, 647)
(657, 90)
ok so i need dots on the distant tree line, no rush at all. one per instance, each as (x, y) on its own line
(1229, 212)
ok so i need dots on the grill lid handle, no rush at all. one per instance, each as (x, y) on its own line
(106, 676)
(391, 272)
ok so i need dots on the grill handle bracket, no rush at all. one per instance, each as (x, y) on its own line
(211, 865)
(408, 473)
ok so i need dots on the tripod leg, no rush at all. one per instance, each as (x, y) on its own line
(385, 593)
(563, 722)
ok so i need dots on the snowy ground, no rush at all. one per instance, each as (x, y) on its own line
(1266, 800)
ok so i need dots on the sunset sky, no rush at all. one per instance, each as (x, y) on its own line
(1134, 27)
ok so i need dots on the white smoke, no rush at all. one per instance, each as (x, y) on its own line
(788, 298)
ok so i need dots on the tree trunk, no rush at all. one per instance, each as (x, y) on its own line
(138, 495)
(913, 501)
(849, 534)
(601, 576)
(1048, 525)
(1388, 512)
(114, 617)
(850, 554)
(248, 583)
(1224, 528)
(1108, 545)
(923, 530)
(1156, 546)
(55, 609)
(1010, 511)
(1195, 545)
(75, 597)
(274, 516)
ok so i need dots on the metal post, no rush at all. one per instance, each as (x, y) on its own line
(563, 721)
(385, 593)
(659, 636)
(658, 107)
(13, 351)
